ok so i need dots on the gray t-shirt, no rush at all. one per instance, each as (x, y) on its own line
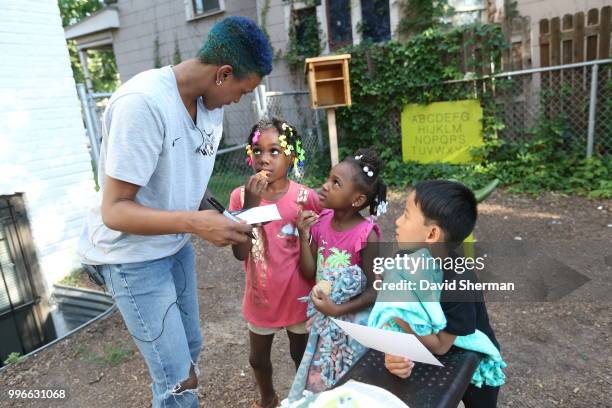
(150, 140)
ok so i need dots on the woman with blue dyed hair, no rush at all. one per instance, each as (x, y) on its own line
(161, 133)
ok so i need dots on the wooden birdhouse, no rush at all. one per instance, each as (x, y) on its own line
(328, 81)
(330, 88)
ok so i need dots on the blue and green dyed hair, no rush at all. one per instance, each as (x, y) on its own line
(239, 42)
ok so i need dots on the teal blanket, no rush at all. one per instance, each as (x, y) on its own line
(423, 312)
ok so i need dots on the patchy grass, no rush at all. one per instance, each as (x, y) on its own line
(222, 184)
(73, 278)
(112, 355)
(13, 358)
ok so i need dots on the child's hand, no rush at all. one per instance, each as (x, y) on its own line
(306, 219)
(400, 366)
(323, 303)
(254, 188)
(405, 326)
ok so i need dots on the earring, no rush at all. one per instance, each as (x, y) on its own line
(218, 82)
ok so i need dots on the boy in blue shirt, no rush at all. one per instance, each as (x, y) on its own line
(441, 214)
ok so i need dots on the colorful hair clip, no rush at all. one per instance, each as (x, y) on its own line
(381, 208)
(256, 135)
(249, 152)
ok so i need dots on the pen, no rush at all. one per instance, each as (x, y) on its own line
(219, 207)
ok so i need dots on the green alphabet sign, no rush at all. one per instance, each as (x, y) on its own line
(441, 131)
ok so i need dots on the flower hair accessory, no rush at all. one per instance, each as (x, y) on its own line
(285, 145)
(249, 152)
(300, 153)
(256, 135)
(249, 148)
(288, 148)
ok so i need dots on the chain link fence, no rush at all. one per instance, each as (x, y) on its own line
(578, 104)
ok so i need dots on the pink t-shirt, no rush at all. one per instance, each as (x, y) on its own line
(273, 279)
(338, 249)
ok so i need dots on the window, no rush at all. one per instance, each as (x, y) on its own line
(467, 11)
(202, 8)
(19, 303)
(340, 31)
(375, 20)
(307, 30)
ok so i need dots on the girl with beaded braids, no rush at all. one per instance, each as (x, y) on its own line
(271, 260)
(332, 247)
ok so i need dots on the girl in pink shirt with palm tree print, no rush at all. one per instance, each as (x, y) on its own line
(332, 248)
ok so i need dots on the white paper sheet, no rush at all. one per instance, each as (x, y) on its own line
(390, 342)
(257, 215)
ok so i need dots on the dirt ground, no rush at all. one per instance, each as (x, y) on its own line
(558, 352)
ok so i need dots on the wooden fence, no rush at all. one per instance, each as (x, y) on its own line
(575, 38)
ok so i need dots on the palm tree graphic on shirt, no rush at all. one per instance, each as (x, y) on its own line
(338, 258)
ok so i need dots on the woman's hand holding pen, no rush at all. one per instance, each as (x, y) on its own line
(217, 229)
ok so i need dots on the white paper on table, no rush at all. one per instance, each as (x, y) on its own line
(257, 215)
(362, 394)
(390, 342)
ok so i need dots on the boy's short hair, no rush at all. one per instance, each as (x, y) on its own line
(239, 42)
(450, 205)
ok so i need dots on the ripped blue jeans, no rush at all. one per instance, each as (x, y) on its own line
(159, 304)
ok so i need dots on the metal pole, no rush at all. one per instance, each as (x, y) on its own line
(532, 71)
(257, 103)
(255, 106)
(83, 59)
(231, 149)
(91, 128)
(592, 109)
(261, 103)
(264, 99)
